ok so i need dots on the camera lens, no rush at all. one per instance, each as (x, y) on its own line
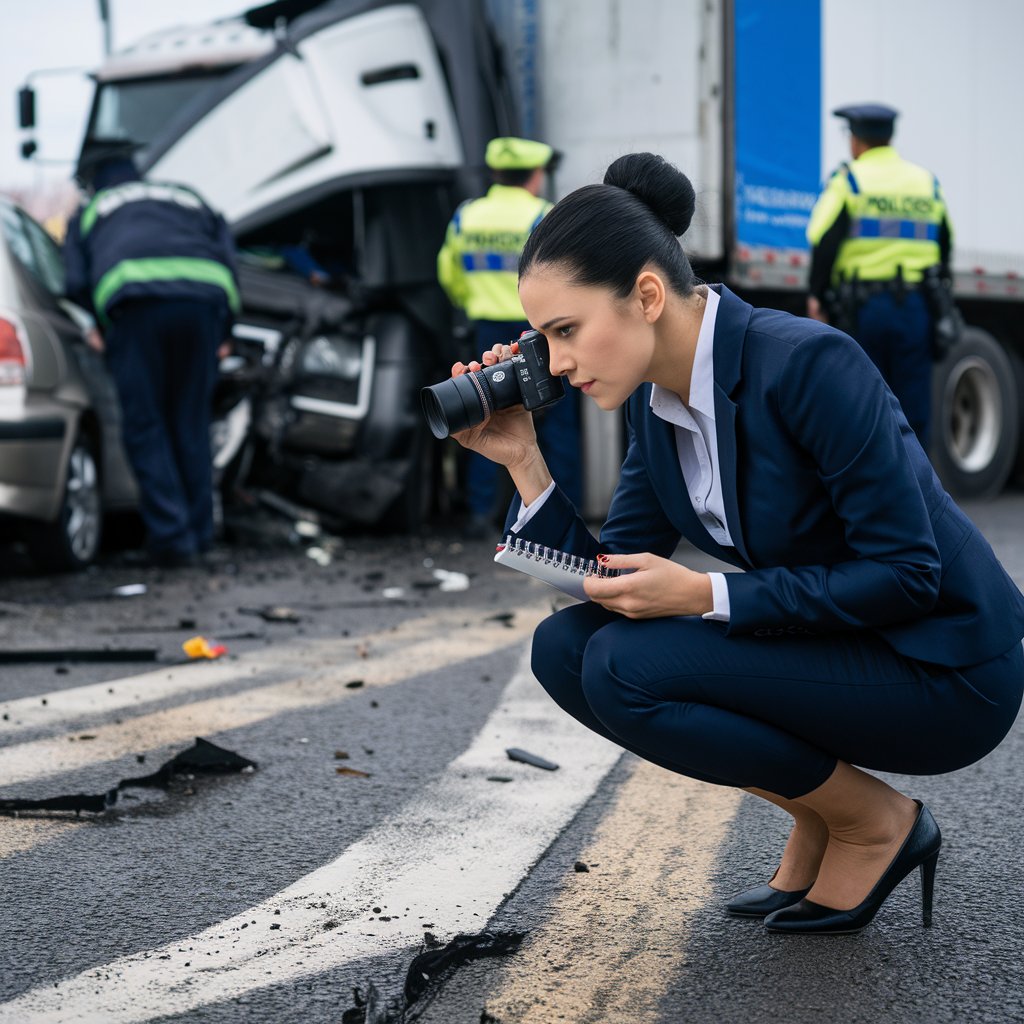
(451, 406)
(466, 400)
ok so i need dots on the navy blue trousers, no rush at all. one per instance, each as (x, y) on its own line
(162, 354)
(897, 336)
(558, 433)
(771, 712)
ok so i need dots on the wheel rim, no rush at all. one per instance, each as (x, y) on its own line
(974, 413)
(83, 505)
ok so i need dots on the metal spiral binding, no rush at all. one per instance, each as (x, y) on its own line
(552, 556)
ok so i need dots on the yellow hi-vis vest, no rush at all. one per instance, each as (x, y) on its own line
(896, 210)
(478, 265)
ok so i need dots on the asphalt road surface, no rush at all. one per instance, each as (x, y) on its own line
(270, 895)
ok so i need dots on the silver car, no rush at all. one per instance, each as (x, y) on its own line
(62, 465)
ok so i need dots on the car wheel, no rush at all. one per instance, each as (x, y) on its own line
(72, 540)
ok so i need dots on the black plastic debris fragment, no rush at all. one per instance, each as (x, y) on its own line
(505, 618)
(203, 758)
(427, 970)
(515, 754)
(580, 867)
(48, 655)
(273, 613)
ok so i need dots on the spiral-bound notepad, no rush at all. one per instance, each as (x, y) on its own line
(557, 568)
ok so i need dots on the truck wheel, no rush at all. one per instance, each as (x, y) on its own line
(975, 422)
(72, 540)
(1017, 362)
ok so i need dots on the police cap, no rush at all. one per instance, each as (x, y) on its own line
(872, 122)
(511, 154)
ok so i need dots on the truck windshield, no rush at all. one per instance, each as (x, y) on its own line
(138, 109)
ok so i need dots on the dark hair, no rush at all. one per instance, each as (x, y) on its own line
(512, 177)
(606, 234)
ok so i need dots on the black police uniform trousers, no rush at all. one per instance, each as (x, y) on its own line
(162, 354)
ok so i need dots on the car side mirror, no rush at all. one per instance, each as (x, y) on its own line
(27, 107)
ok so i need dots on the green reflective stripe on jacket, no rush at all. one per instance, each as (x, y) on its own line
(170, 268)
(108, 200)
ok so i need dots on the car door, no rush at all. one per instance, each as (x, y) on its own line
(68, 324)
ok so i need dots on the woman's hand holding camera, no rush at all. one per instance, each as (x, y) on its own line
(657, 587)
(507, 437)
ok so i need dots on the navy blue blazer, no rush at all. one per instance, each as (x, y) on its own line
(835, 511)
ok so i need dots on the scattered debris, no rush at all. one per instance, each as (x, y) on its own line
(355, 684)
(128, 590)
(393, 593)
(579, 867)
(428, 969)
(200, 647)
(353, 772)
(505, 618)
(202, 758)
(515, 754)
(499, 778)
(319, 555)
(308, 529)
(65, 654)
(341, 755)
(273, 613)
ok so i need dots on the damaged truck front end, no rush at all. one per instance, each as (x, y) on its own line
(333, 142)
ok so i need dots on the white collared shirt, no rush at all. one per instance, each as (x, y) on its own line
(696, 437)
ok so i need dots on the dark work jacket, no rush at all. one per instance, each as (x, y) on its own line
(143, 240)
(835, 511)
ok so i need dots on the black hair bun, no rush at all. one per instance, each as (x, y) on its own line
(660, 185)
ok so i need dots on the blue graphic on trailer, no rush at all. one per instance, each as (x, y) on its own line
(778, 120)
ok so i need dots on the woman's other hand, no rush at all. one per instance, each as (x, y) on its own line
(657, 588)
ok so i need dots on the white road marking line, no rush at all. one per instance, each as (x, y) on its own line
(56, 709)
(446, 858)
(43, 758)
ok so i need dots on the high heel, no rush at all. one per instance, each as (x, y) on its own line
(763, 900)
(919, 849)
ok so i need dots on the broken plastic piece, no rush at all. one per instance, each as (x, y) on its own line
(353, 772)
(200, 647)
(203, 758)
(431, 966)
(515, 754)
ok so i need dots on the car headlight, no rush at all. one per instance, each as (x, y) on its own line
(331, 356)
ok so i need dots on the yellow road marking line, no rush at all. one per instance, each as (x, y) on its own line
(617, 934)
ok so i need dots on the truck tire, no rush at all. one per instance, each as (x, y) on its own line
(975, 417)
(72, 540)
(1017, 362)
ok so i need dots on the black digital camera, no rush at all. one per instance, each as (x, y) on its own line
(464, 401)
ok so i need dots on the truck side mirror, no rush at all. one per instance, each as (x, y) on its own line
(28, 148)
(27, 107)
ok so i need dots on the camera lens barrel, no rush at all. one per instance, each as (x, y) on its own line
(467, 400)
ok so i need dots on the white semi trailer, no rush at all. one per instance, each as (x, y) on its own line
(364, 121)
(739, 94)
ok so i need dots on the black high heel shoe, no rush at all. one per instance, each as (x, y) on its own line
(763, 900)
(919, 849)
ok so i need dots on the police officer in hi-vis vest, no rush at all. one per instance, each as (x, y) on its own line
(881, 241)
(478, 267)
